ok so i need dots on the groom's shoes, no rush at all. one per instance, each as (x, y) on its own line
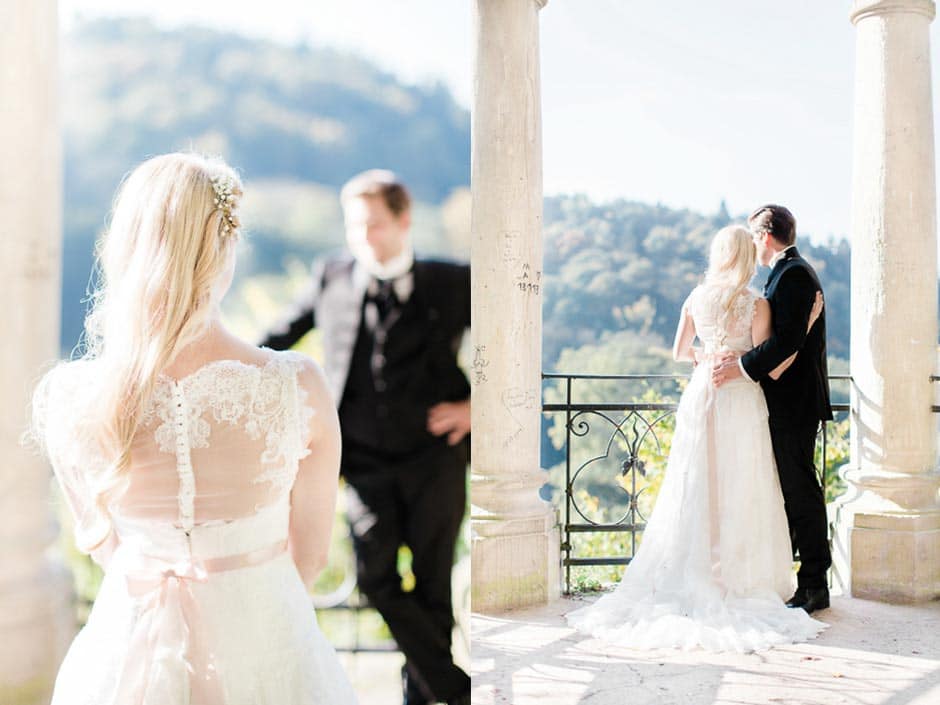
(810, 599)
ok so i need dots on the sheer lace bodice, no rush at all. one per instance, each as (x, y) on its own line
(218, 445)
(242, 428)
(717, 328)
(202, 601)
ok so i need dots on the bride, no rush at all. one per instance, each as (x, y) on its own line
(714, 567)
(201, 471)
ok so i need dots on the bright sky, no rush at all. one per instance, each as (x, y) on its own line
(746, 100)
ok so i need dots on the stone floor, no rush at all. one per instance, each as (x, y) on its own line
(871, 654)
(376, 677)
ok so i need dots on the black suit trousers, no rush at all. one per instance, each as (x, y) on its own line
(419, 503)
(803, 500)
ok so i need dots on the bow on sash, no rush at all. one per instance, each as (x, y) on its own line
(170, 631)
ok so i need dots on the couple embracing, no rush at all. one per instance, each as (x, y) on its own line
(740, 491)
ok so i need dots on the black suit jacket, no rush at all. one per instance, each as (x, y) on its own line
(333, 303)
(800, 397)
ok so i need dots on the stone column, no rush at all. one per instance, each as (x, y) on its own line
(35, 616)
(515, 551)
(894, 521)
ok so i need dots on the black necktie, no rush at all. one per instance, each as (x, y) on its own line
(385, 298)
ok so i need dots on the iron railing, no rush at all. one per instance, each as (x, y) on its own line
(632, 442)
(352, 605)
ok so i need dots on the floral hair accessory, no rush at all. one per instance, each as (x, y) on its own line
(224, 186)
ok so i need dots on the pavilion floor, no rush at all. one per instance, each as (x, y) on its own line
(871, 654)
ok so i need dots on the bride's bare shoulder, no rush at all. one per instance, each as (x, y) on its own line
(252, 354)
(220, 345)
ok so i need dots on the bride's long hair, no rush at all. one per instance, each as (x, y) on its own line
(160, 263)
(732, 261)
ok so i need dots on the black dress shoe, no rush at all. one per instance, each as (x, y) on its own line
(463, 699)
(798, 599)
(810, 599)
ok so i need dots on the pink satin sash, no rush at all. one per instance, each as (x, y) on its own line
(170, 624)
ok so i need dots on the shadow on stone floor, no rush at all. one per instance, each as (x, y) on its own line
(872, 654)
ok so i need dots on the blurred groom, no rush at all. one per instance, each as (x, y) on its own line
(391, 327)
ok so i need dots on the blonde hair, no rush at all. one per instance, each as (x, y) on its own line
(732, 261)
(173, 229)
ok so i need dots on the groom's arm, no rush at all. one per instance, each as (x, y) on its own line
(795, 294)
(299, 319)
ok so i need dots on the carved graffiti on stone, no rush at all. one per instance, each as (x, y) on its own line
(529, 281)
(515, 399)
(479, 364)
(509, 243)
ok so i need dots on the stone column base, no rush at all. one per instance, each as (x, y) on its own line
(896, 557)
(37, 625)
(516, 561)
(840, 515)
(886, 543)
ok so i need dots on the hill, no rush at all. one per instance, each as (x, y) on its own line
(625, 266)
(297, 121)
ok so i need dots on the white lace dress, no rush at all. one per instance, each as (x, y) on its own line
(714, 567)
(201, 603)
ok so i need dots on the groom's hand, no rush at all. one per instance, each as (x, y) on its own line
(726, 368)
(451, 418)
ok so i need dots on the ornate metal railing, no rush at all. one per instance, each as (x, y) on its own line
(346, 602)
(627, 459)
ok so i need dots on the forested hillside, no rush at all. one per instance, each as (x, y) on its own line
(620, 271)
(297, 121)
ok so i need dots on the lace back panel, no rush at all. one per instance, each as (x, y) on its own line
(217, 445)
(229, 436)
(718, 332)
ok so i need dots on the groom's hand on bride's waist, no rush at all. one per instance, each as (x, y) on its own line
(726, 368)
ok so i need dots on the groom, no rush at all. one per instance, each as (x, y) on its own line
(391, 325)
(798, 400)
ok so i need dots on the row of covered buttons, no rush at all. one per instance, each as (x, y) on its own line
(187, 491)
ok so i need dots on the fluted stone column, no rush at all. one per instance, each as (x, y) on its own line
(894, 521)
(35, 618)
(514, 536)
